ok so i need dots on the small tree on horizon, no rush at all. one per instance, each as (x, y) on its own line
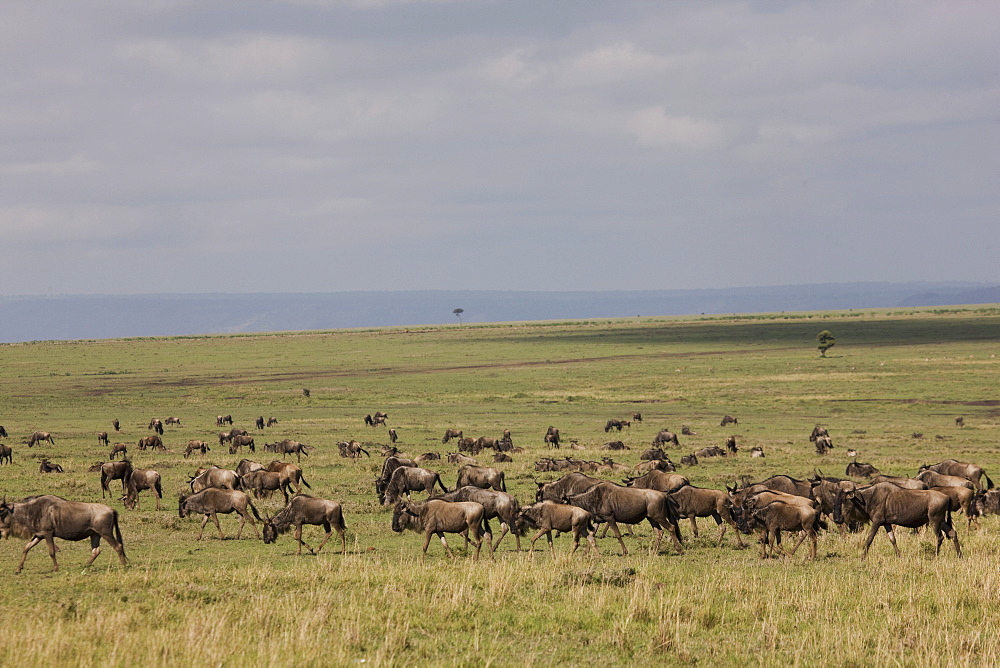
(458, 314)
(826, 341)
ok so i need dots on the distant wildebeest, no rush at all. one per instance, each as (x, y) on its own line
(427, 457)
(887, 505)
(817, 432)
(549, 516)
(694, 502)
(756, 451)
(214, 477)
(727, 420)
(113, 471)
(686, 431)
(689, 460)
(500, 505)
(616, 424)
(861, 470)
(460, 459)
(6, 453)
(551, 437)
(192, 446)
(571, 483)
(116, 424)
(290, 472)
(139, 480)
(778, 516)
(731, 444)
(172, 421)
(971, 472)
(289, 447)
(247, 465)
(665, 436)
(484, 442)
(710, 451)
(259, 422)
(156, 425)
(118, 449)
(351, 449)
(615, 445)
(376, 420)
(304, 509)
(49, 467)
(481, 476)
(823, 443)
(450, 434)
(960, 421)
(502, 458)
(153, 442)
(986, 503)
(468, 445)
(212, 501)
(102, 437)
(441, 517)
(223, 419)
(406, 479)
(781, 483)
(653, 453)
(47, 517)
(393, 437)
(615, 504)
(306, 393)
(261, 481)
(637, 417)
(240, 441)
(271, 421)
(661, 481)
(38, 437)
(3, 432)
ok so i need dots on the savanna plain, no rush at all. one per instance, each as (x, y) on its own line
(892, 375)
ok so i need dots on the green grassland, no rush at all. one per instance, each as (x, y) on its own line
(229, 602)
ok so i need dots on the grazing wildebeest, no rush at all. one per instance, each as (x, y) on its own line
(156, 425)
(47, 517)
(935, 479)
(211, 501)
(6, 453)
(351, 449)
(615, 504)
(406, 479)
(172, 420)
(653, 453)
(261, 481)
(223, 419)
(571, 483)
(392, 436)
(389, 467)
(710, 451)
(731, 444)
(3, 432)
(823, 443)
(290, 472)
(971, 472)
(48, 467)
(214, 477)
(756, 451)
(271, 421)
(102, 437)
(616, 424)
(637, 417)
(817, 432)
(899, 481)
(259, 422)
(552, 437)
(427, 457)
(886, 505)
(441, 517)
(549, 516)
(778, 516)
(139, 480)
(116, 424)
(501, 505)
(113, 471)
(450, 434)
(240, 441)
(694, 502)
(305, 509)
(689, 460)
(665, 436)
(861, 470)
(727, 420)
(153, 442)
(201, 446)
(38, 437)
(960, 421)
(484, 477)
(289, 447)
(119, 449)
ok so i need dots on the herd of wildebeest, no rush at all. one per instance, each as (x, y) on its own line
(575, 503)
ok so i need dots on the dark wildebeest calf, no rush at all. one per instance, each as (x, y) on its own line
(549, 516)
(6, 453)
(304, 509)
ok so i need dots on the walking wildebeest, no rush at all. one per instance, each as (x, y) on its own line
(887, 505)
(450, 434)
(214, 477)
(571, 483)
(289, 447)
(694, 502)
(223, 419)
(935, 479)
(441, 517)
(38, 437)
(201, 446)
(351, 449)
(961, 501)
(860, 470)
(271, 421)
(209, 502)
(549, 516)
(172, 420)
(119, 449)
(290, 472)
(501, 505)
(661, 481)
(47, 517)
(898, 481)
(778, 516)
(304, 509)
(153, 442)
(612, 503)
(113, 471)
(116, 424)
(481, 476)
(971, 472)
(727, 420)
(240, 441)
(6, 453)
(157, 425)
(48, 467)
(665, 436)
(139, 480)
(102, 437)
(261, 481)
(406, 479)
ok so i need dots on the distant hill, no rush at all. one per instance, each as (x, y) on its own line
(110, 316)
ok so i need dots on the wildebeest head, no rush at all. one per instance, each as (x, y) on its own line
(182, 510)
(6, 515)
(270, 532)
(402, 517)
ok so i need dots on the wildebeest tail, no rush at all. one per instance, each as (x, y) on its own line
(118, 531)
(503, 482)
(303, 479)
(989, 483)
(254, 510)
(820, 524)
(437, 478)
(364, 451)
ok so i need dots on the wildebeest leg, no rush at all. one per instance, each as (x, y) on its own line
(443, 542)
(694, 527)
(298, 537)
(892, 539)
(504, 530)
(33, 542)
(871, 537)
(95, 549)
(329, 532)
(953, 535)
(548, 534)
(618, 534)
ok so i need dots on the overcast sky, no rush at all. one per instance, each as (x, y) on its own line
(313, 146)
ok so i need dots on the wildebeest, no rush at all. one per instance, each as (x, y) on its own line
(450, 434)
(549, 516)
(661, 481)
(654, 465)
(637, 417)
(861, 470)
(113, 471)
(49, 467)
(615, 504)
(899, 481)
(289, 447)
(468, 445)
(223, 419)
(971, 472)
(351, 449)
(490, 442)
(47, 517)
(153, 442)
(6, 453)
(935, 479)
(406, 479)
(571, 483)
(665, 436)
(689, 460)
(172, 420)
(392, 436)
(38, 437)
(616, 424)
(756, 451)
(192, 446)
(615, 445)
(731, 444)
(694, 502)
(390, 451)
(441, 517)
(389, 467)
(501, 505)
(261, 481)
(710, 451)
(3, 432)
(102, 437)
(653, 453)
(259, 422)
(551, 437)
(483, 477)
(116, 424)
(305, 509)
(823, 443)
(778, 516)
(240, 441)
(459, 458)
(119, 449)
(247, 465)
(817, 432)
(156, 425)
(960, 421)
(427, 457)
(214, 477)
(271, 421)
(961, 500)
(212, 501)
(686, 431)
(290, 472)
(727, 420)
(502, 458)
(139, 480)
(986, 503)
(886, 505)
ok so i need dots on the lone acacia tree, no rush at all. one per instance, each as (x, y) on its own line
(826, 341)
(458, 314)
